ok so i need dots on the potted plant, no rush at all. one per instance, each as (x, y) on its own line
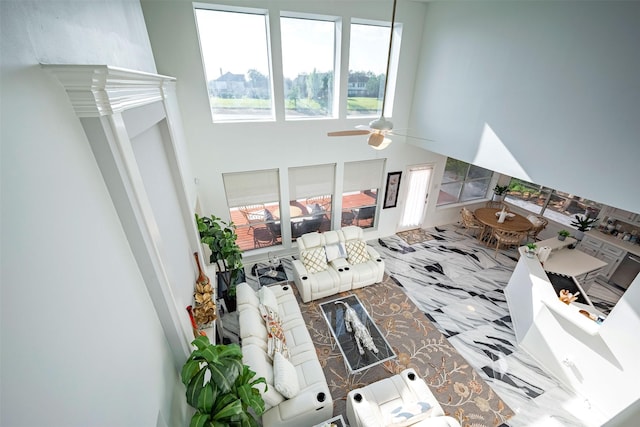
(499, 192)
(220, 387)
(221, 237)
(531, 249)
(582, 223)
(563, 234)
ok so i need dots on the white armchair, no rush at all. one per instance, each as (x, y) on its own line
(372, 269)
(400, 400)
(312, 274)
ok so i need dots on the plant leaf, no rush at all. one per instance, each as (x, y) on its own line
(195, 387)
(199, 419)
(206, 398)
(189, 369)
(231, 409)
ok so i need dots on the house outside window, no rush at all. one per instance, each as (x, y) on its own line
(238, 85)
(555, 205)
(367, 68)
(362, 181)
(308, 65)
(463, 182)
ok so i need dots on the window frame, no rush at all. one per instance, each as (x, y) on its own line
(489, 179)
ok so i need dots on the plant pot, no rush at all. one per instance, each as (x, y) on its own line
(498, 198)
(223, 278)
(561, 237)
(579, 235)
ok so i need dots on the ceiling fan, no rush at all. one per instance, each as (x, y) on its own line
(379, 128)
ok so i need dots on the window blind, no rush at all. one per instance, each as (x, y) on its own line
(252, 187)
(363, 175)
(310, 181)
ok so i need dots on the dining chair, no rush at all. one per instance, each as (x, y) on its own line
(539, 224)
(508, 238)
(469, 222)
(253, 214)
(497, 205)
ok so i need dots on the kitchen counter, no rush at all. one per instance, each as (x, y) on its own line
(613, 240)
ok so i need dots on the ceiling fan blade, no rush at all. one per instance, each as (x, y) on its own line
(349, 132)
(411, 136)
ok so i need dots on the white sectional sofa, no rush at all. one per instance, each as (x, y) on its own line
(301, 377)
(335, 261)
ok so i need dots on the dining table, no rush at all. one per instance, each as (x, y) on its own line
(489, 218)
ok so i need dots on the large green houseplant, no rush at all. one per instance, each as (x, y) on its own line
(221, 237)
(220, 387)
(582, 223)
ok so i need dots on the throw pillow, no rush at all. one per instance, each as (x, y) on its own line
(335, 251)
(276, 342)
(315, 260)
(285, 378)
(357, 252)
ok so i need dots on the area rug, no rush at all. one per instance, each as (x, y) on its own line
(418, 345)
(417, 235)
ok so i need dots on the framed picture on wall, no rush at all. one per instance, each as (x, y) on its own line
(391, 190)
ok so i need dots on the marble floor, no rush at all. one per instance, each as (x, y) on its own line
(458, 283)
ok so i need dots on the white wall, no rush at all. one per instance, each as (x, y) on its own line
(219, 148)
(81, 341)
(548, 87)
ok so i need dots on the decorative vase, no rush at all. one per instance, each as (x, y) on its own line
(204, 311)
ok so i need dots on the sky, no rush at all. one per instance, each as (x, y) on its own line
(307, 45)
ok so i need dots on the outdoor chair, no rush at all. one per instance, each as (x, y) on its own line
(253, 214)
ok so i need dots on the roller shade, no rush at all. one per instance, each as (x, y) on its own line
(363, 175)
(249, 188)
(311, 181)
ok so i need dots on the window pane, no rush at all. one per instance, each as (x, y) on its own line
(474, 189)
(449, 193)
(238, 85)
(462, 182)
(563, 207)
(367, 67)
(310, 215)
(526, 195)
(308, 67)
(478, 172)
(253, 200)
(359, 208)
(455, 170)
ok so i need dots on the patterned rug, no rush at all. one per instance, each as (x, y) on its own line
(417, 235)
(418, 345)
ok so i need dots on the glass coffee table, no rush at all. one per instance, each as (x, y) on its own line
(353, 360)
(269, 276)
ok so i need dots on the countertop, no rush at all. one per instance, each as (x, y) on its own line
(613, 240)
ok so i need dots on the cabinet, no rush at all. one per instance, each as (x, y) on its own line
(610, 254)
(623, 215)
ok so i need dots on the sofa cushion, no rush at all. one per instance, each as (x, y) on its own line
(315, 260)
(258, 361)
(268, 298)
(276, 341)
(285, 379)
(246, 295)
(357, 252)
(335, 251)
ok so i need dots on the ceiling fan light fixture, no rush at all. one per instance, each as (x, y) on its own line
(381, 124)
(378, 141)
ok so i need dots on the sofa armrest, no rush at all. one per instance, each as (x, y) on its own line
(375, 256)
(302, 280)
(308, 401)
(340, 264)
